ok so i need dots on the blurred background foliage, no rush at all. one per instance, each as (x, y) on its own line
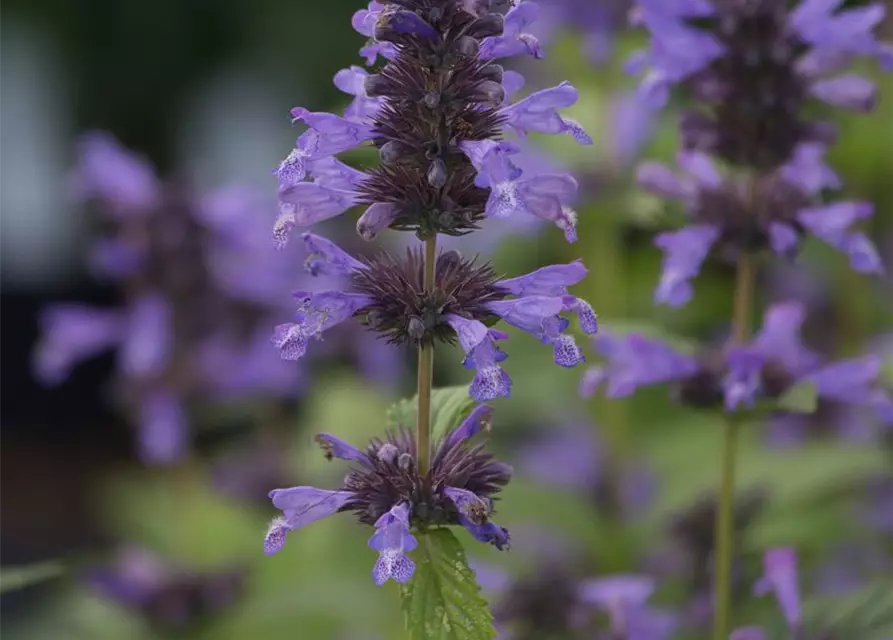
(204, 88)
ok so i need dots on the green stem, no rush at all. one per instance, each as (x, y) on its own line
(725, 512)
(426, 370)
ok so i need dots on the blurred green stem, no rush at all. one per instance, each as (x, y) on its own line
(426, 370)
(725, 512)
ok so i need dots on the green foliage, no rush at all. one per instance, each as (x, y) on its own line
(801, 398)
(12, 578)
(449, 407)
(442, 601)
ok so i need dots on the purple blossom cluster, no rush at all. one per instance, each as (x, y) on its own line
(751, 68)
(199, 288)
(440, 113)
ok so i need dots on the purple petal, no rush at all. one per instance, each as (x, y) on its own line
(700, 167)
(478, 420)
(147, 346)
(328, 259)
(314, 203)
(849, 381)
(108, 171)
(163, 429)
(684, 252)
(743, 378)
(552, 280)
(807, 170)
(635, 360)
(779, 338)
(780, 577)
(847, 92)
(539, 112)
(305, 505)
(470, 333)
(71, 334)
(661, 181)
(488, 532)
(336, 448)
(376, 219)
(783, 238)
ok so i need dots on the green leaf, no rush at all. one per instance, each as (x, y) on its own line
(442, 601)
(449, 407)
(801, 398)
(12, 578)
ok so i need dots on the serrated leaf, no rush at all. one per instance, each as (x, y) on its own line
(443, 601)
(12, 578)
(801, 398)
(449, 407)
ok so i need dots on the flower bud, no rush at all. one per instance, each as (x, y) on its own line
(394, 26)
(393, 152)
(492, 72)
(416, 329)
(405, 461)
(486, 26)
(437, 173)
(489, 93)
(466, 46)
(376, 85)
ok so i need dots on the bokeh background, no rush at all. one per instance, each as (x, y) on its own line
(202, 89)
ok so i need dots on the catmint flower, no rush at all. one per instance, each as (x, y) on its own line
(387, 295)
(774, 211)
(170, 600)
(780, 579)
(438, 91)
(754, 66)
(385, 490)
(769, 365)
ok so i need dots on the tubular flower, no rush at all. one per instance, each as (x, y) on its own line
(387, 295)
(438, 92)
(385, 490)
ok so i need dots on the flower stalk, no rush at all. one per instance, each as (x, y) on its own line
(426, 369)
(725, 542)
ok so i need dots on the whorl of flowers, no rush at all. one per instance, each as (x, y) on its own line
(385, 489)
(434, 112)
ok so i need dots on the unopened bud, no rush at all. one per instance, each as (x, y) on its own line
(466, 46)
(432, 99)
(376, 85)
(493, 72)
(489, 92)
(416, 329)
(486, 26)
(449, 258)
(394, 26)
(437, 174)
(405, 461)
(393, 152)
(387, 452)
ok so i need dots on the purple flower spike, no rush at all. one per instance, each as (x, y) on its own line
(514, 40)
(780, 577)
(539, 112)
(684, 252)
(392, 540)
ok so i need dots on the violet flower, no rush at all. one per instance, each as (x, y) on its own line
(384, 489)
(775, 211)
(773, 362)
(780, 579)
(388, 297)
(426, 183)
